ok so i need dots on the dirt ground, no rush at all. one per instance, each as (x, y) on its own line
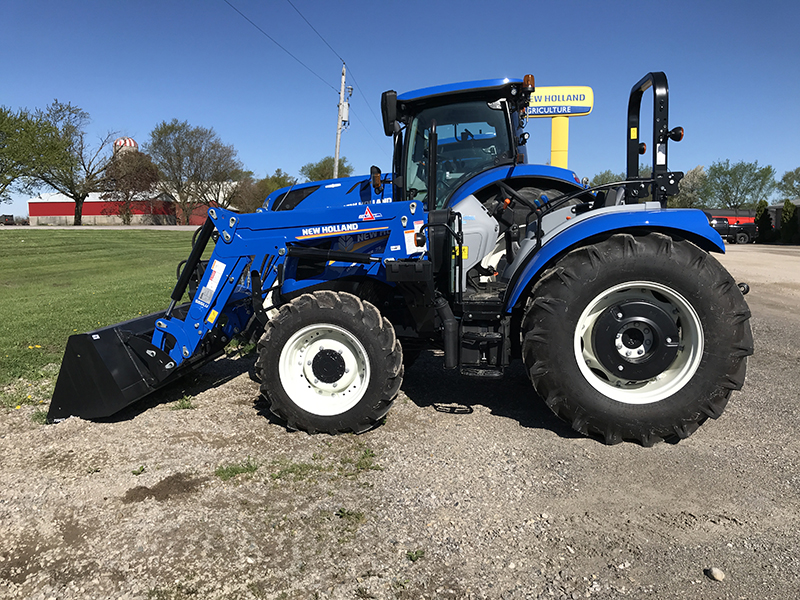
(469, 490)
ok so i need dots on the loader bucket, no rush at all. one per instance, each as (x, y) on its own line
(105, 370)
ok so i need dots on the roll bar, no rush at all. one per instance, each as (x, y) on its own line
(664, 182)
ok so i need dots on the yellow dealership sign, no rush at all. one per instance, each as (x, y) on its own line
(560, 103)
(565, 100)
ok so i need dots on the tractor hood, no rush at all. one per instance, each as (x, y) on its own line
(345, 191)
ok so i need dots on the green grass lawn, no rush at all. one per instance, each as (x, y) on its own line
(54, 283)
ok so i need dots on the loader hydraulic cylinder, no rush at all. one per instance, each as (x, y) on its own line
(191, 264)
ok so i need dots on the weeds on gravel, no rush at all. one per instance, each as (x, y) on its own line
(350, 516)
(400, 584)
(139, 471)
(365, 461)
(350, 521)
(297, 471)
(239, 347)
(226, 472)
(415, 555)
(176, 592)
(184, 403)
(39, 416)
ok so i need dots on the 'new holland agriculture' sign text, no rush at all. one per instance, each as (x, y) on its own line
(561, 101)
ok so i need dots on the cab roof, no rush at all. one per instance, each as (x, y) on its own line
(467, 89)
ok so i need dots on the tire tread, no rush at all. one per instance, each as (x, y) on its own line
(557, 288)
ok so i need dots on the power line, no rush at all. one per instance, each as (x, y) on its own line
(274, 41)
(352, 76)
(369, 132)
(315, 31)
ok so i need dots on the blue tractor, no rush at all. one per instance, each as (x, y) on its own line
(628, 327)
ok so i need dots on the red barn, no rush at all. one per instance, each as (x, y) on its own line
(57, 209)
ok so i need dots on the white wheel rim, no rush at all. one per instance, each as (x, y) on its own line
(671, 379)
(303, 385)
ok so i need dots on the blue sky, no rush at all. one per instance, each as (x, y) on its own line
(733, 69)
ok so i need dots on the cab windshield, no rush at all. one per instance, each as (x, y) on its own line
(473, 136)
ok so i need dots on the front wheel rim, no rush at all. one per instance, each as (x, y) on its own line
(324, 369)
(668, 381)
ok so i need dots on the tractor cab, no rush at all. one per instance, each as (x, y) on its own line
(472, 137)
(475, 127)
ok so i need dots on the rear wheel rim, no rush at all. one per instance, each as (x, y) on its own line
(671, 379)
(324, 369)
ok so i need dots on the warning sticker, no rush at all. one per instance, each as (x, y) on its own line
(212, 316)
(217, 269)
(411, 246)
(205, 296)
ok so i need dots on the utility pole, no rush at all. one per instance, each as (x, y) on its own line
(343, 120)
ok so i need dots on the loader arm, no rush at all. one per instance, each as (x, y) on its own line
(104, 371)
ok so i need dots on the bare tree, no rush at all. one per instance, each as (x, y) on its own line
(83, 171)
(131, 177)
(196, 167)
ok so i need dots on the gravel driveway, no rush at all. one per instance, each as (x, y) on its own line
(470, 489)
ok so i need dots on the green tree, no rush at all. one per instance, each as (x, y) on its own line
(27, 145)
(789, 226)
(741, 185)
(790, 184)
(691, 190)
(196, 167)
(131, 177)
(607, 176)
(763, 222)
(83, 169)
(323, 169)
(252, 194)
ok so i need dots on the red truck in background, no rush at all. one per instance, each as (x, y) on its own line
(740, 231)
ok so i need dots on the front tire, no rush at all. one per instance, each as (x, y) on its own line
(329, 362)
(638, 338)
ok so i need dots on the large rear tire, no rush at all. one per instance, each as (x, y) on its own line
(637, 338)
(329, 362)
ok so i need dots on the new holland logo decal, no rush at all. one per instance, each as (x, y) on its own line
(369, 215)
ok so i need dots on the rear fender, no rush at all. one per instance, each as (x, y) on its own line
(542, 175)
(686, 223)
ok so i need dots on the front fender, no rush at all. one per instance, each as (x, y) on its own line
(687, 223)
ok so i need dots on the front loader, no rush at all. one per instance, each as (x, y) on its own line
(628, 328)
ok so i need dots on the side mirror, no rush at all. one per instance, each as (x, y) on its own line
(389, 111)
(375, 177)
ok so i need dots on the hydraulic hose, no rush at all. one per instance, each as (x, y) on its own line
(191, 264)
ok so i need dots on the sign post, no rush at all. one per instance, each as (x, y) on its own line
(559, 103)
